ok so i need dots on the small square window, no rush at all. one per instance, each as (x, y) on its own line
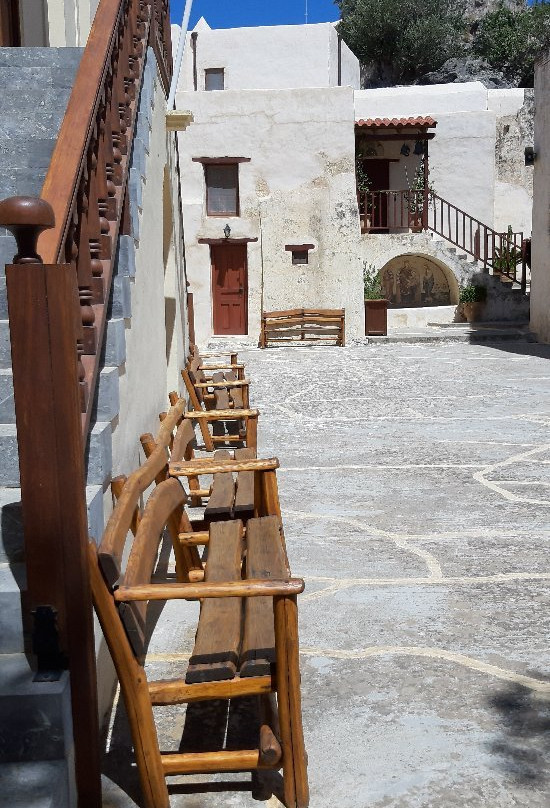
(214, 78)
(222, 189)
(300, 257)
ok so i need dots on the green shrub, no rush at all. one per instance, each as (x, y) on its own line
(511, 40)
(473, 294)
(371, 282)
(403, 38)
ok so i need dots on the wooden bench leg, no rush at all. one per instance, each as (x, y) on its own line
(295, 703)
(252, 433)
(283, 702)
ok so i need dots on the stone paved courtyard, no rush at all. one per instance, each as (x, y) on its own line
(415, 487)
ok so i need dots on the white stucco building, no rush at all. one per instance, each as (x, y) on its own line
(273, 218)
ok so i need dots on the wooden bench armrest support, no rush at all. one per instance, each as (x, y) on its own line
(219, 353)
(221, 415)
(222, 367)
(234, 589)
(197, 466)
(236, 383)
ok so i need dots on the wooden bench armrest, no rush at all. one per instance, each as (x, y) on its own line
(180, 468)
(233, 589)
(236, 383)
(221, 415)
(219, 353)
(221, 367)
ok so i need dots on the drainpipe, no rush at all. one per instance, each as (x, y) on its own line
(194, 37)
(339, 60)
(179, 57)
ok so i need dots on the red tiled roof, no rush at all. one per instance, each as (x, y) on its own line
(395, 122)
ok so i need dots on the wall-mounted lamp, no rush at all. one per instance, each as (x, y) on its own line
(405, 149)
(419, 147)
(530, 156)
(227, 231)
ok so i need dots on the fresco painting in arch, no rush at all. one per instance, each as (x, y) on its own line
(414, 281)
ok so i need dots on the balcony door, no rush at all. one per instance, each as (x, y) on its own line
(379, 172)
(10, 35)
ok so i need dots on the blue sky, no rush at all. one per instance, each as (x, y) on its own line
(221, 14)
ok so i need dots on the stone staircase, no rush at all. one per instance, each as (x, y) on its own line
(35, 718)
(505, 300)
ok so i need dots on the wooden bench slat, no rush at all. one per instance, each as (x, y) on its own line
(220, 504)
(303, 325)
(265, 558)
(216, 652)
(244, 496)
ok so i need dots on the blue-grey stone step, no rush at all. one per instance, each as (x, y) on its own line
(107, 403)
(120, 304)
(99, 455)
(49, 58)
(35, 716)
(9, 467)
(12, 543)
(12, 584)
(125, 263)
(7, 405)
(114, 349)
(40, 784)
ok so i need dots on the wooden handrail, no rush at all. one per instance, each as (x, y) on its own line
(405, 210)
(501, 252)
(67, 163)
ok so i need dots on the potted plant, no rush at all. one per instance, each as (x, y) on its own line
(507, 256)
(376, 305)
(472, 302)
(364, 188)
(416, 198)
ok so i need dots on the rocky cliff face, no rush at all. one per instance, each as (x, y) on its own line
(476, 9)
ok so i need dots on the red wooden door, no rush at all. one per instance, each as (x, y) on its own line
(379, 173)
(229, 289)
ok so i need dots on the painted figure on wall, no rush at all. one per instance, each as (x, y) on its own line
(411, 281)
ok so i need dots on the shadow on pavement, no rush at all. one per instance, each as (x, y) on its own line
(523, 744)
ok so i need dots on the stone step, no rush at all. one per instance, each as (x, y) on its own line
(40, 784)
(12, 553)
(12, 584)
(12, 543)
(35, 716)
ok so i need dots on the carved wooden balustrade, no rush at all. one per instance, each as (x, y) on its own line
(58, 309)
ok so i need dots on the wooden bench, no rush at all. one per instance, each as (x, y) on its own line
(303, 325)
(226, 496)
(231, 366)
(247, 635)
(223, 401)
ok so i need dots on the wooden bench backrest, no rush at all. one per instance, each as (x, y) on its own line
(303, 325)
(124, 514)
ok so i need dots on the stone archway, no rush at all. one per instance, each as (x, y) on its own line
(416, 280)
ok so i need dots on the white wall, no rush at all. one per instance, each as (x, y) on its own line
(540, 269)
(68, 22)
(274, 57)
(513, 179)
(300, 182)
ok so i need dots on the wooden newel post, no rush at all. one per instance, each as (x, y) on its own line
(41, 303)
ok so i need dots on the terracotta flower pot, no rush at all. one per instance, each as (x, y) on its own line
(473, 311)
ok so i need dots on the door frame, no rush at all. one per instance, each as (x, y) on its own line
(233, 245)
(10, 23)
